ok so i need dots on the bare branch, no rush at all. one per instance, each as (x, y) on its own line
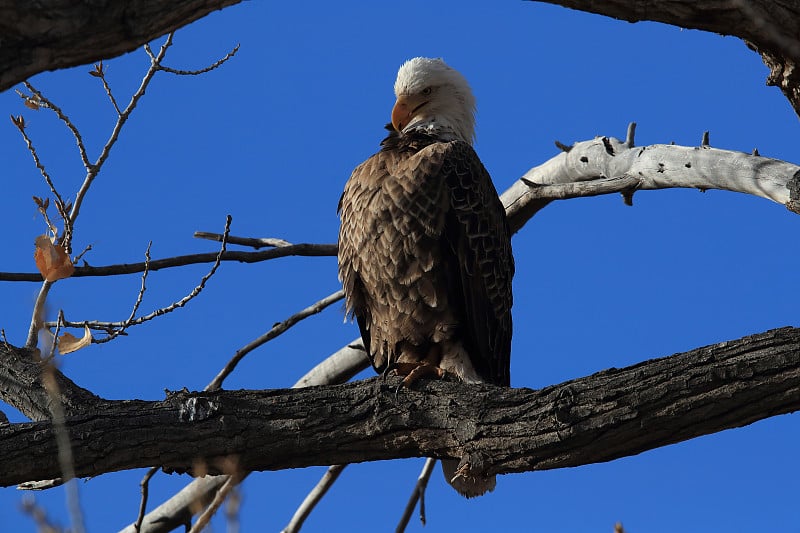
(145, 486)
(43, 101)
(20, 124)
(659, 166)
(244, 241)
(313, 498)
(64, 446)
(38, 315)
(417, 495)
(209, 68)
(303, 249)
(100, 72)
(219, 498)
(275, 331)
(94, 169)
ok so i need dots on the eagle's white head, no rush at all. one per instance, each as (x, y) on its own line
(434, 98)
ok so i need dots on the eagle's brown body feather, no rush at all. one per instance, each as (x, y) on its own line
(425, 258)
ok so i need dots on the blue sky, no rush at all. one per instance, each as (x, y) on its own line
(271, 138)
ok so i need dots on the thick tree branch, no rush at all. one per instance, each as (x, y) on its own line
(21, 385)
(621, 412)
(54, 34)
(768, 26)
(605, 165)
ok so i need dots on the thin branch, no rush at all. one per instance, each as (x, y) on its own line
(303, 249)
(312, 499)
(139, 297)
(100, 72)
(275, 331)
(209, 68)
(43, 101)
(417, 495)
(145, 486)
(244, 241)
(19, 122)
(38, 315)
(219, 498)
(65, 455)
(93, 170)
(38, 515)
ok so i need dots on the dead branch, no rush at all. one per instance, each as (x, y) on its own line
(303, 249)
(417, 495)
(276, 330)
(605, 165)
(313, 497)
(621, 411)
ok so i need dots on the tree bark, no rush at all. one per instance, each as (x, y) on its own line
(598, 418)
(54, 34)
(767, 26)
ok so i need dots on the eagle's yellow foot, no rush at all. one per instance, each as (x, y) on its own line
(415, 371)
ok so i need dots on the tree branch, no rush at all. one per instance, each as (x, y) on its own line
(303, 249)
(54, 34)
(21, 385)
(605, 165)
(496, 430)
(768, 27)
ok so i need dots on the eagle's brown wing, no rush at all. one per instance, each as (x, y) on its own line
(477, 251)
(425, 256)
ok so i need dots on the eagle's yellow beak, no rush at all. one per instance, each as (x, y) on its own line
(405, 109)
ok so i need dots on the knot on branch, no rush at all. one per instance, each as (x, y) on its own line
(193, 407)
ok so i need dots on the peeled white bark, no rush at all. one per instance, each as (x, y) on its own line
(604, 165)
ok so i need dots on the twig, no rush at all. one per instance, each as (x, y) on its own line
(302, 249)
(164, 310)
(130, 321)
(20, 124)
(93, 170)
(313, 498)
(38, 515)
(38, 315)
(244, 241)
(232, 508)
(65, 458)
(100, 72)
(209, 68)
(418, 494)
(145, 485)
(203, 519)
(45, 102)
(276, 330)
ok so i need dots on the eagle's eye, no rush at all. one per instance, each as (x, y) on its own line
(426, 91)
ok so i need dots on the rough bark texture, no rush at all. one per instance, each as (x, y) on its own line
(768, 26)
(610, 414)
(21, 385)
(53, 34)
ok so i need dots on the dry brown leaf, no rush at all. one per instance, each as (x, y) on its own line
(51, 260)
(68, 343)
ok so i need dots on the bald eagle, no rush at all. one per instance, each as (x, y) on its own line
(424, 246)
